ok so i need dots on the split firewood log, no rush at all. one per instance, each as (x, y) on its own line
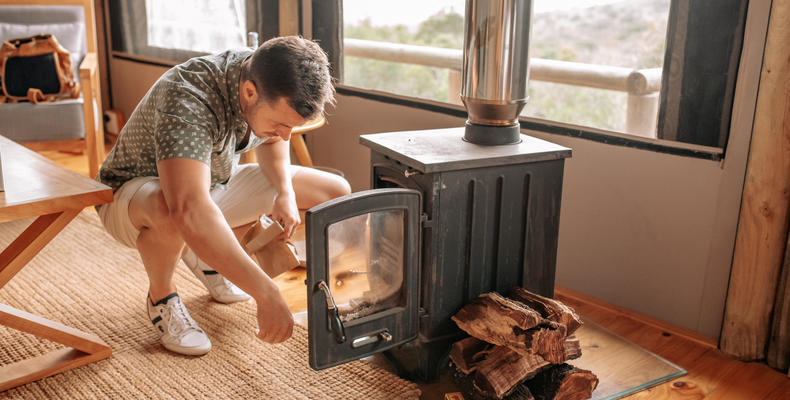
(499, 369)
(503, 369)
(550, 309)
(505, 322)
(492, 316)
(563, 382)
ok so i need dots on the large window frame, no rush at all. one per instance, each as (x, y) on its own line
(704, 41)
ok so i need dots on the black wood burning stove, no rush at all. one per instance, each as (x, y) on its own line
(453, 213)
(446, 221)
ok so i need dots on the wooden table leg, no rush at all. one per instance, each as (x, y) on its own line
(31, 241)
(83, 348)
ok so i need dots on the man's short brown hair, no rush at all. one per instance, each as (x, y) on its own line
(296, 69)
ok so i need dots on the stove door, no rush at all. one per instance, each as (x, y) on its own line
(362, 274)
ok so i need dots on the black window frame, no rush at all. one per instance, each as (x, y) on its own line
(704, 44)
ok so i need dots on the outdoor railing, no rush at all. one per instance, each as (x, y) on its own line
(642, 86)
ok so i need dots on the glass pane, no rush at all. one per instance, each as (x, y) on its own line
(436, 23)
(599, 44)
(366, 263)
(198, 25)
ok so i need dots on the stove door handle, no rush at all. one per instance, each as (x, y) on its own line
(335, 325)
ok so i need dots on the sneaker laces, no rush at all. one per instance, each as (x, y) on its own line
(179, 319)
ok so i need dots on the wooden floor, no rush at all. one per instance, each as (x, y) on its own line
(711, 374)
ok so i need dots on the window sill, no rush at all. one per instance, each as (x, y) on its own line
(550, 127)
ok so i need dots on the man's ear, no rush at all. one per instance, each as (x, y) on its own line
(249, 92)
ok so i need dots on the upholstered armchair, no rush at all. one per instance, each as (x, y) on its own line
(68, 125)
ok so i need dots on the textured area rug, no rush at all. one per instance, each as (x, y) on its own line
(85, 280)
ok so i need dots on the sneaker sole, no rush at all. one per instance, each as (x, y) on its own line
(188, 351)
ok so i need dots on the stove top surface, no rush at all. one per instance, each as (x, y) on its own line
(439, 150)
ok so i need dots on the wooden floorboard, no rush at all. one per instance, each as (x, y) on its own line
(711, 374)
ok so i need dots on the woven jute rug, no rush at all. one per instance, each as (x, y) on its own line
(85, 280)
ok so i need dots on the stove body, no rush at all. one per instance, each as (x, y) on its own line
(490, 220)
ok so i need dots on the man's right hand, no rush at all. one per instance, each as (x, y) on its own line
(275, 322)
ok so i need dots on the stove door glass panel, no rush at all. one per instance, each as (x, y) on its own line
(366, 263)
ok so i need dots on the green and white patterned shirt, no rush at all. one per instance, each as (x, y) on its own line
(192, 111)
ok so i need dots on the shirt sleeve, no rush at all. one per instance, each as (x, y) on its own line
(184, 129)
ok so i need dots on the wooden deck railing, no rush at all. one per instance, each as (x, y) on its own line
(642, 86)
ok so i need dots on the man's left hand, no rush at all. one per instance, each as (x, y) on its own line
(286, 213)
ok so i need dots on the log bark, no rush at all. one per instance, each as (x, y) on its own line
(504, 368)
(518, 349)
(563, 382)
(506, 322)
(467, 353)
(499, 368)
(550, 309)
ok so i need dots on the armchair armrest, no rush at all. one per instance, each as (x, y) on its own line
(91, 105)
(89, 66)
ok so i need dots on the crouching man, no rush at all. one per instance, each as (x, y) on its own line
(179, 192)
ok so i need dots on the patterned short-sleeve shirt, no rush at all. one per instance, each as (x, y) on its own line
(192, 111)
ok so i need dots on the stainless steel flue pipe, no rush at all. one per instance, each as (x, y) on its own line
(495, 69)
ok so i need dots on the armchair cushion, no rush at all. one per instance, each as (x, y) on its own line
(26, 122)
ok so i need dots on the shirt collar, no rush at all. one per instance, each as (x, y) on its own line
(233, 75)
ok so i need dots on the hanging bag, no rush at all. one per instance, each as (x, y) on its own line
(37, 69)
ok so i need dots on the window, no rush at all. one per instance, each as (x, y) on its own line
(595, 44)
(168, 32)
(596, 65)
(197, 25)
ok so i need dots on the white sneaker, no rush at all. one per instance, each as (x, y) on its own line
(178, 332)
(221, 289)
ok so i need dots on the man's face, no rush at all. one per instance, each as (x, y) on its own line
(270, 119)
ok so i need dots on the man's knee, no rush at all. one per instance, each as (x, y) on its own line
(156, 215)
(339, 186)
(314, 187)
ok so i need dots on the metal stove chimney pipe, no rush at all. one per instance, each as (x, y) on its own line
(495, 69)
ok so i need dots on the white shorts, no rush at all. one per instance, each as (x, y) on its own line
(247, 196)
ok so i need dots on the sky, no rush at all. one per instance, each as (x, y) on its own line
(411, 12)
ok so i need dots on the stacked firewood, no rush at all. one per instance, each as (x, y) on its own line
(518, 349)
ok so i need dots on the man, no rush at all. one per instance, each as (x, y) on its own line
(176, 180)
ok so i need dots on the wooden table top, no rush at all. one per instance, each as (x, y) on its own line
(35, 186)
